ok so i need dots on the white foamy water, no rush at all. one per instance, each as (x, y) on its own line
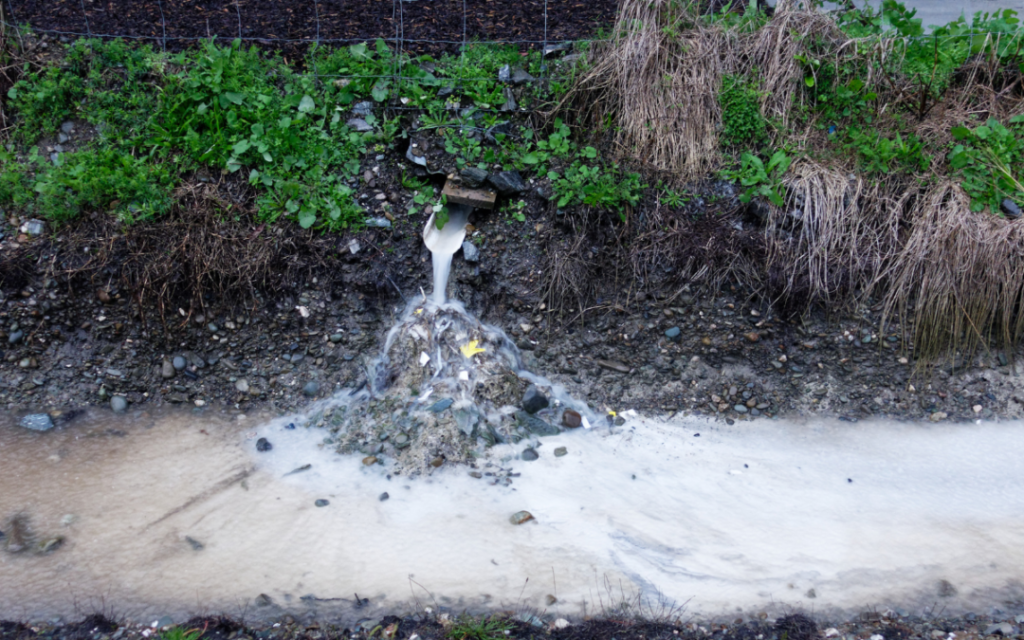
(749, 517)
(443, 244)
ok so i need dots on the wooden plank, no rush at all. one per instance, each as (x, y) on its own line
(479, 198)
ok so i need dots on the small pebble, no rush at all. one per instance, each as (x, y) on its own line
(322, 502)
(263, 445)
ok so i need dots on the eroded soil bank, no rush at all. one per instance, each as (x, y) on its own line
(70, 341)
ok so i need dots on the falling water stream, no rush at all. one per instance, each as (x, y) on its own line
(179, 513)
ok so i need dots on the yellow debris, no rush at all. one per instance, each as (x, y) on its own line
(470, 349)
(418, 311)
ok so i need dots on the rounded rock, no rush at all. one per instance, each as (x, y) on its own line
(263, 445)
(561, 451)
(179, 363)
(519, 517)
(322, 502)
(118, 404)
(242, 385)
(529, 454)
(311, 388)
(167, 369)
(740, 408)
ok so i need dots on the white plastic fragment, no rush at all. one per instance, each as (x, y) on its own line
(303, 311)
(424, 358)
(586, 423)
(464, 376)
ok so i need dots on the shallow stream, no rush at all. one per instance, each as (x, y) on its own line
(179, 514)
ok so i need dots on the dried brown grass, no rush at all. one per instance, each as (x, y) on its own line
(191, 254)
(657, 81)
(959, 277)
(773, 49)
(833, 238)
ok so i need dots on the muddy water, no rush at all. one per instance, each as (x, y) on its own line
(179, 515)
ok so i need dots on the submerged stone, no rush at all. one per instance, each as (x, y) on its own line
(529, 454)
(322, 502)
(534, 400)
(441, 405)
(536, 425)
(37, 422)
(263, 445)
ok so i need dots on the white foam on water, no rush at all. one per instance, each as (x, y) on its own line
(747, 517)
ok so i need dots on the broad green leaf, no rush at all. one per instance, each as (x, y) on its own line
(809, 81)
(531, 158)
(307, 218)
(12, 93)
(590, 152)
(241, 147)
(231, 97)
(306, 104)
(961, 133)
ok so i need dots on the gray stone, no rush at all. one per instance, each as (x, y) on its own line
(362, 108)
(380, 223)
(505, 74)
(263, 600)
(441, 405)
(535, 424)
(67, 127)
(1002, 628)
(213, 328)
(1009, 208)
(322, 502)
(196, 546)
(529, 455)
(469, 252)
(510, 101)
(167, 369)
(336, 337)
(507, 182)
(263, 445)
(37, 422)
(553, 49)
(118, 404)
(297, 358)
(674, 334)
(740, 408)
(311, 388)
(242, 385)
(534, 400)
(179, 363)
(561, 451)
(62, 138)
(360, 125)
(472, 177)
(384, 496)
(34, 227)
(519, 517)
(519, 76)
(15, 336)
